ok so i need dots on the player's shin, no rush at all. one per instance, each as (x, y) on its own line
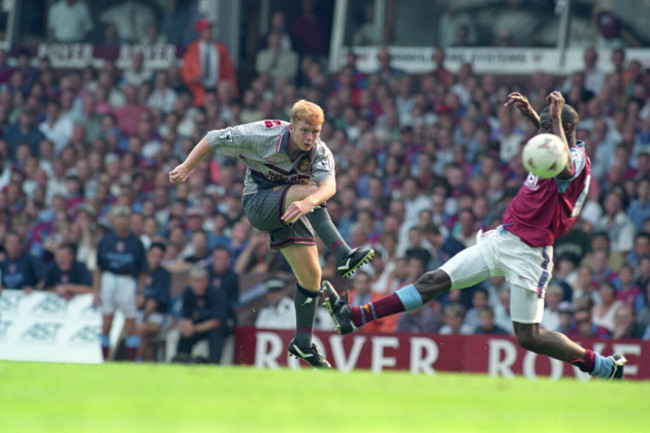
(305, 302)
(327, 231)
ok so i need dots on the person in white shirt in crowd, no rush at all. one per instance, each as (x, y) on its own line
(131, 19)
(279, 311)
(69, 21)
(56, 128)
(137, 73)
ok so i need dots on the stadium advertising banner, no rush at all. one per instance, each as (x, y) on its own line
(495, 355)
(43, 326)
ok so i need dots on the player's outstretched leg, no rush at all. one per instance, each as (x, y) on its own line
(557, 345)
(302, 346)
(347, 260)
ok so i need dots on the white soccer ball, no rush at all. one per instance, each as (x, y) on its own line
(545, 155)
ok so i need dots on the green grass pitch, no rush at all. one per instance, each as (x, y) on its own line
(144, 398)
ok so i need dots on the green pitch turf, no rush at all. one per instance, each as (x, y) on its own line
(145, 398)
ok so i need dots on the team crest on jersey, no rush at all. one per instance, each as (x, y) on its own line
(277, 188)
(532, 182)
(120, 247)
(226, 136)
(304, 164)
(270, 159)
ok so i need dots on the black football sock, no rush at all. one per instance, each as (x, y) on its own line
(327, 231)
(305, 302)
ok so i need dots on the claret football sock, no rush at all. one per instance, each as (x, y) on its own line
(587, 363)
(405, 299)
(595, 364)
(106, 345)
(327, 231)
(132, 345)
(305, 302)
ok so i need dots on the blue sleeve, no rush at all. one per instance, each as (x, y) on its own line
(579, 158)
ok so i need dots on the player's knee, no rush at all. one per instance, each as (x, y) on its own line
(433, 283)
(528, 341)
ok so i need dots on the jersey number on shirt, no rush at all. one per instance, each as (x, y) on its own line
(272, 123)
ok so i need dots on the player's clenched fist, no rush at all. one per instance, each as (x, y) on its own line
(179, 174)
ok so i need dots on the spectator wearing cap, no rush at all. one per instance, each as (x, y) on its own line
(121, 270)
(25, 131)
(279, 312)
(203, 315)
(207, 64)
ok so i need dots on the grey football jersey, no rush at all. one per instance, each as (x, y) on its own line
(263, 147)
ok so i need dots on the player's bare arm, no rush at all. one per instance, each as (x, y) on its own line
(524, 107)
(555, 101)
(181, 172)
(323, 192)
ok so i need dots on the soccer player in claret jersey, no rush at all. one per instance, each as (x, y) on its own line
(521, 249)
(289, 176)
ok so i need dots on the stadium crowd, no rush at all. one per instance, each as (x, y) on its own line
(423, 162)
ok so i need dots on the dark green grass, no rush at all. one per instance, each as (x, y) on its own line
(117, 397)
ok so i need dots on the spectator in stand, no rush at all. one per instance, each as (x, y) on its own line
(203, 316)
(639, 209)
(278, 311)
(67, 276)
(20, 270)
(56, 127)
(224, 278)
(258, 258)
(275, 61)
(162, 97)
(278, 25)
(487, 325)
(628, 292)
(616, 223)
(153, 303)
(309, 32)
(604, 311)
(69, 21)
(131, 19)
(386, 71)
(6, 71)
(25, 131)
(176, 22)
(625, 326)
(206, 64)
(566, 323)
(585, 327)
(479, 300)
(453, 317)
(128, 115)
(425, 320)
(136, 74)
(121, 270)
(554, 296)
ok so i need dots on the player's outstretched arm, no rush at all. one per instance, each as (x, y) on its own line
(555, 101)
(180, 173)
(524, 107)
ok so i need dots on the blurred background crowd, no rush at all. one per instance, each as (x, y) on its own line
(423, 162)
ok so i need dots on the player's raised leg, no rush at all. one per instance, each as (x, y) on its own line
(304, 262)
(347, 260)
(454, 274)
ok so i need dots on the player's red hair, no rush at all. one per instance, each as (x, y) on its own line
(308, 112)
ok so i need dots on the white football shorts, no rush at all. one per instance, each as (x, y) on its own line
(118, 292)
(501, 253)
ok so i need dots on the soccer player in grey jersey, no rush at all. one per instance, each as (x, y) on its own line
(289, 176)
